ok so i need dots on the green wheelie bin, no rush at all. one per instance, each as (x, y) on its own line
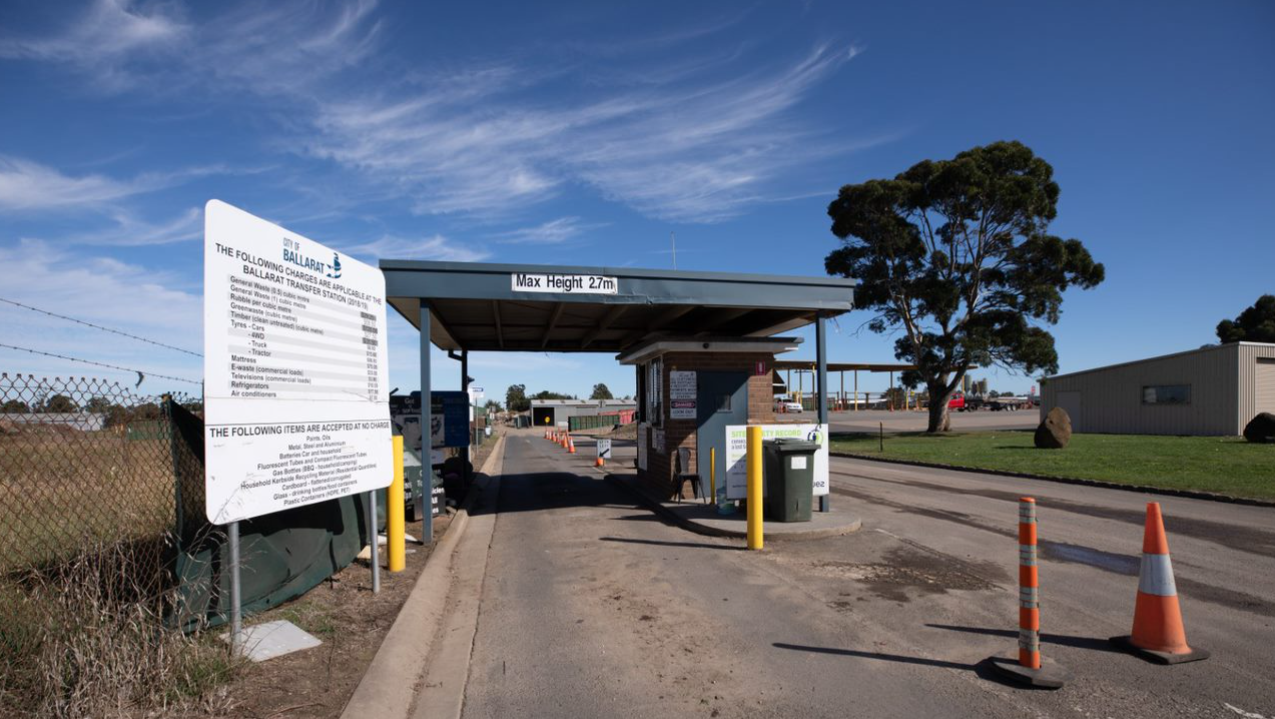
(789, 468)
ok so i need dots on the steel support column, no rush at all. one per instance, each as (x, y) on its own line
(467, 470)
(821, 387)
(427, 460)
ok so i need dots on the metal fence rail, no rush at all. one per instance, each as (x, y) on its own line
(84, 462)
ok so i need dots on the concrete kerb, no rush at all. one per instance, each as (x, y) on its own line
(389, 685)
(851, 524)
(1161, 491)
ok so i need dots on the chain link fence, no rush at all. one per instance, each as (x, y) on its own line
(85, 462)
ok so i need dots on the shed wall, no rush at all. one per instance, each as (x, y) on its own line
(1110, 398)
(1257, 381)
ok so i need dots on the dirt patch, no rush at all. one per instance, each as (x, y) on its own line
(905, 569)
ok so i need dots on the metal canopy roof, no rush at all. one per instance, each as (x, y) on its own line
(809, 365)
(474, 306)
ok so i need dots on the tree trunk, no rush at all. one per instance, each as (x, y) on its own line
(940, 418)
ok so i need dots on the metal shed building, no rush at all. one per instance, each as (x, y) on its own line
(556, 412)
(1208, 391)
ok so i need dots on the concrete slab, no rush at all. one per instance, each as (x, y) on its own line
(703, 518)
(274, 639)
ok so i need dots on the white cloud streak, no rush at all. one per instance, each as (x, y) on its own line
(30, 186)
(144, 301)
(552, 232)
(697, 152)
(697, 141)
(435, 247)
(103, 39)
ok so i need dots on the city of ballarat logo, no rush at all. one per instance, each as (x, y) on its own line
(293, 255)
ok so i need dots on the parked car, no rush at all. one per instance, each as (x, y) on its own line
(785, 406)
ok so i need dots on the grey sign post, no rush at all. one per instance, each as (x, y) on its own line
(236, 615)
(373, 542)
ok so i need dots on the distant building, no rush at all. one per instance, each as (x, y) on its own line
(1208, 391)
(554, 412)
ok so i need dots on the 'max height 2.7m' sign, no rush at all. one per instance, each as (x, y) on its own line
(564, 284)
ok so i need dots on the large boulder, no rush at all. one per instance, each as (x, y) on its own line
(1055, 431)
(1261, 429)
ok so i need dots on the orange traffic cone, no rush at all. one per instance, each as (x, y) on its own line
(571, 445)
(1158, 633)
(600, 462)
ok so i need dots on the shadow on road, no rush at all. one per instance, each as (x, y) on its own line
(1064, 640)
(658, 543)
(982, 669)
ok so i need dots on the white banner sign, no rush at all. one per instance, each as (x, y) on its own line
(564, 284)
(737, 453)
(296, 407)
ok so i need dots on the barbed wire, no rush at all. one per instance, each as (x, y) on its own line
(100, 327)
(141, 375)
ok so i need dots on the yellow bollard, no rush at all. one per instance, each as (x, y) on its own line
(754, 488)
(712, 473)
(394, 538)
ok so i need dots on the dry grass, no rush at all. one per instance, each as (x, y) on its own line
(87, 638)
(62, 490)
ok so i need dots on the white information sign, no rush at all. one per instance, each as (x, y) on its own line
(564, 284)
(296, 404)
(604, 448)
(682, 395)
(737, 454)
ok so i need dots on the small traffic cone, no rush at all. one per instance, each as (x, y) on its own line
(571, 445)
(1158, 634)
(600, 462)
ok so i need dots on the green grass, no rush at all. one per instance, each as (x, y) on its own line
(1225, 465)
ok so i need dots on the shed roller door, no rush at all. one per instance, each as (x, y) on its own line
(1265, 385)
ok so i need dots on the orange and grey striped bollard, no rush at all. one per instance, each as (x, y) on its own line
(1030, 668)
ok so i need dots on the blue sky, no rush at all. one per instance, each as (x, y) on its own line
(586, 132)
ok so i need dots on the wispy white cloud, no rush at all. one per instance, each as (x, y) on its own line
(131, 230)
(263, 47)
(435, 247)
(690, 151)
(698, 139)
(30, 186)
(550, 233)
(27, 186)
(147, 301)
(104, 38)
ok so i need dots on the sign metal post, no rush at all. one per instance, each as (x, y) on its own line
(236, 597)
(373, 542)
